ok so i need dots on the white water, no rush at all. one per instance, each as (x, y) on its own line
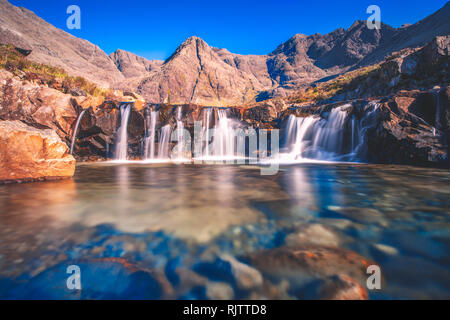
(332, 138)
(180, 137)
(149, 141)
(163, 151)
(224, 136)
(206, 131)
(122, 134)
(75, 131)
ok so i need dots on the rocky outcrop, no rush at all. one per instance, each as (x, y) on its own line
(36, 105)
(30, 154)
(412, 128)
(52, 46)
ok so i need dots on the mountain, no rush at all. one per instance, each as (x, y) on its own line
(196, 73)
(132, 65)
(201, 74)
(52, 46)
(412, 36)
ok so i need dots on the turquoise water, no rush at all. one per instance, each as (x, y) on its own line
(167, 231)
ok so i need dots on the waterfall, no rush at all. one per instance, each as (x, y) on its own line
(75, 131)
(368, 121)
(149, 141)
(206, 131)
(180, 130)
(296, 130)
(122, 134)
(330, 136)
(224, 136)
(163, 151)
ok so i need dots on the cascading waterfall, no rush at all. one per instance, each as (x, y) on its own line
(336, 136)
(224, 137)
(368, 121)
(122, 134)
(149, 141)
(163, 151)
(206, 131)
(75, 131)
(180, 130)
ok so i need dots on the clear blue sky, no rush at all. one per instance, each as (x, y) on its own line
(154, 28)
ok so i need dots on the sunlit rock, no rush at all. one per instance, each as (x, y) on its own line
(27, 153)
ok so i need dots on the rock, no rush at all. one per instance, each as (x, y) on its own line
(37, 105)
(314, 234)
(408, 129)
(90, 101)
(219, 291)
(361, 215)
(78, 93)
(246, 277)
(341, 287)
(228, 269)
(302, 264)
(28, 154)
(109, 279)
(385, 249)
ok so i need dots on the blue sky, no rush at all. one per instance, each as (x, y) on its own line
(154, 28)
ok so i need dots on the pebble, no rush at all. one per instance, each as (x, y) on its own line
(386, 249)
(219, 291)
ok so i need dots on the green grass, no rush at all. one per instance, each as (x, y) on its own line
(57, 78)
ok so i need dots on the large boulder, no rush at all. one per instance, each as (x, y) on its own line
(30, 154)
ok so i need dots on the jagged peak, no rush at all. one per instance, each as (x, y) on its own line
(191, 42)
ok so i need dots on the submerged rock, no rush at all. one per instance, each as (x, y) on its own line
(246, 277)
(219, 291)
(304, 265)
(28, 154)
(340, 287)
(314, 234)
(108, 279)
(227, 269)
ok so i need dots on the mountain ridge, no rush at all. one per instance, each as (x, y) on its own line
(202, 74)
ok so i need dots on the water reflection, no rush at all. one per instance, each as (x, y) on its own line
(178, 220)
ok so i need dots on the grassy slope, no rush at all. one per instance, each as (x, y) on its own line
(15, 62)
